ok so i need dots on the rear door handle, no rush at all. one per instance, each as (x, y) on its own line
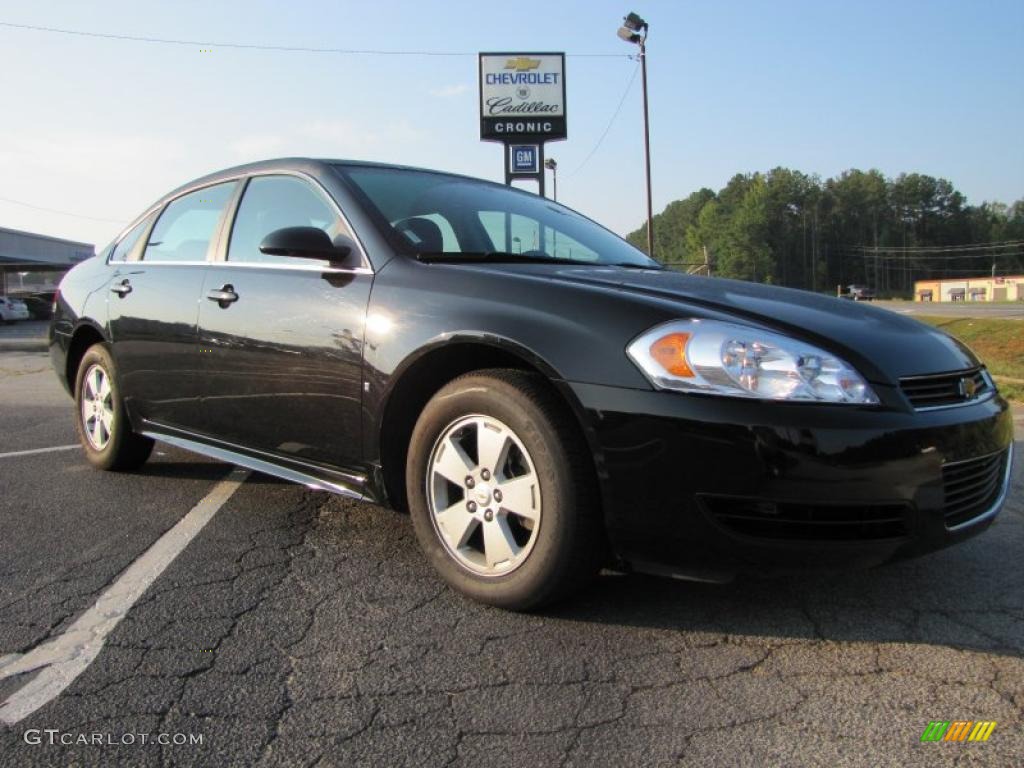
(122, 289)
(223, 295)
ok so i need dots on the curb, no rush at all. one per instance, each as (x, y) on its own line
(23, 345)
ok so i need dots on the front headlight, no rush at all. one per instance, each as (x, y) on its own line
(739, 361)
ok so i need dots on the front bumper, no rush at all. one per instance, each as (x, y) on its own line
(706, 487)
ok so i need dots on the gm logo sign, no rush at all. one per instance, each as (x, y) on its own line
(524, 158)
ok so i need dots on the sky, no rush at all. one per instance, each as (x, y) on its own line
(100, 128)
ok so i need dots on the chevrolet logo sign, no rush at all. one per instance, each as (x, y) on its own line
(522, 64)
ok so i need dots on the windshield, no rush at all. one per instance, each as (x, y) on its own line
(428, 214)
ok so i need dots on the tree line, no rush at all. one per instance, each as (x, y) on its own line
(790, 228)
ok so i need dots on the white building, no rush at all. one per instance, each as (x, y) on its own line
(31, 262)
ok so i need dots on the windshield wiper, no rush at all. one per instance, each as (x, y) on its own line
(630, 265)
(491, 257)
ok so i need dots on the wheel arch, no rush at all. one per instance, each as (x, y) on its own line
(84, 336)
(423, 373)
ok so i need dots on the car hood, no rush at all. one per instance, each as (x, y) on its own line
(883, 344)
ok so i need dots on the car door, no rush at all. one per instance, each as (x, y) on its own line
(153, 306)
(282, 356)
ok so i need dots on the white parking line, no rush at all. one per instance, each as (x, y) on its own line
(66, 656)
(12, 454)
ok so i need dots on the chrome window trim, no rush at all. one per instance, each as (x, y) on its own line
(143, 236)
(210, 246)
(365, 268)
(259, 265)
(135, 222)
(167, 263)
(293, 267)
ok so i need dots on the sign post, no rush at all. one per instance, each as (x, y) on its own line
(522, 105)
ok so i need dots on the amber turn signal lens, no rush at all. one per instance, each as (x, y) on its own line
(670, 353)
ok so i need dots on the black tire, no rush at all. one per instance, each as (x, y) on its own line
(123, 449)
(569, 546)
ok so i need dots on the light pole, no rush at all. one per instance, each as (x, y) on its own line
(631, 31)
(552, 166)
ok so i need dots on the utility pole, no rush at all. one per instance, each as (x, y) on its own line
(647, 146)
(552, 166)
(633, 25)
(814, 249)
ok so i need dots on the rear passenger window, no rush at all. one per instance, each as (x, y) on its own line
(127, 244)
(185, 228)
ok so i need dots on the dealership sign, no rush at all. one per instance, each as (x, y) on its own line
(522, 97)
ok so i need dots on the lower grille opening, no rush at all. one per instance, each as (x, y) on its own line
(762, 519)
(971, 487)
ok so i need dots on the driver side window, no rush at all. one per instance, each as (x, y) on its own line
(275, 202)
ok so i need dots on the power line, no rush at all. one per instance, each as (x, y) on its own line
(266, 47)
(925, 257)
(615, 114)
(871, 249)
(62, 213)
(975, 272)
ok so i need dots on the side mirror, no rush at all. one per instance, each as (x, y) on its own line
(309, 243)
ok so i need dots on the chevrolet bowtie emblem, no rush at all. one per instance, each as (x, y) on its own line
(968, 387)
(522, 64)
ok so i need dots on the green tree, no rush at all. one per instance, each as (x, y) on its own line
(792, 228)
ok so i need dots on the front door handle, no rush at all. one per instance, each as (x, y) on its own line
(223, 295)
(122, 289)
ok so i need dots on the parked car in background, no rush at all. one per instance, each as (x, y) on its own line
(40, 304)
(374, 331)
(858, 293)
(12, 309)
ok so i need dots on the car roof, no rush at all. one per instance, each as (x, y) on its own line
(303, 163)
(308, 164)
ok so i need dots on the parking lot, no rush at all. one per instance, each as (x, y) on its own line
(300, 628)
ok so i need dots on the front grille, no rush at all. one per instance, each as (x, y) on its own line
(971, 487)
(945, 388)
(809, 522)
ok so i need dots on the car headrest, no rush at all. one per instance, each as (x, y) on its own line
(424, 234)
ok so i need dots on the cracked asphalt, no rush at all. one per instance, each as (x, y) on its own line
(300, 628)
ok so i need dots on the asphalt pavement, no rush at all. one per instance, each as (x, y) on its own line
(23, 336)
(300, 628)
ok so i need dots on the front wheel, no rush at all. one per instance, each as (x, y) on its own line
(501, 491)
(103, 427)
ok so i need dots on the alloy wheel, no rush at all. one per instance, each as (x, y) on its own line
(484, 495)
(97, 407)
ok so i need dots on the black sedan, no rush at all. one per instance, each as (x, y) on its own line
(542, 397)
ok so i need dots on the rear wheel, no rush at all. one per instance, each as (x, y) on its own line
(102, 424)
(501, 492)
